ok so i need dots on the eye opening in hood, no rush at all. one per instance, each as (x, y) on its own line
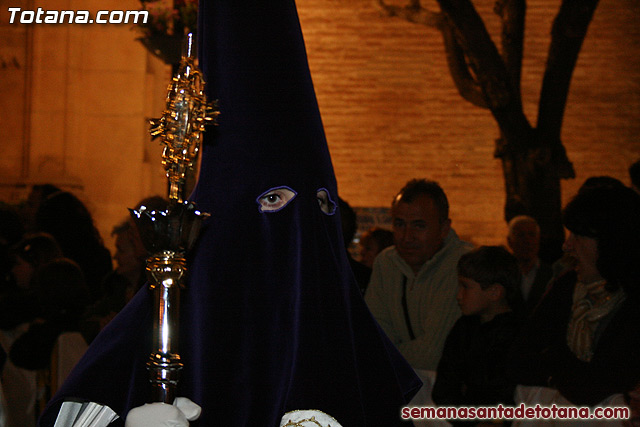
(327, 205)
(275, 199)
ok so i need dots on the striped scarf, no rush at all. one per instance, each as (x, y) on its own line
(591, 303)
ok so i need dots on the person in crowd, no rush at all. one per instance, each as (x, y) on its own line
(130, 258)
(11, 232)
(62, 297)
(18, 303)
(372, 242)
(121, 284)
(33, 251)
(129, 276)
(272, 324)
(68, 220)
(472, 370)
(413, 287)
(599, 181)
(349, 222)
(583, 339)
(567, 262)
(523, 239)
(12, 227)
(634, 175)
(7, 281)
(38, 194)
(19, 307)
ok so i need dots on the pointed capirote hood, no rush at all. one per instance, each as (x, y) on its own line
(272, 320)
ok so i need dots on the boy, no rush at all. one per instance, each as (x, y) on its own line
(471, 371)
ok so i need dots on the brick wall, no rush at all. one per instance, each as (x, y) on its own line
(391, 111)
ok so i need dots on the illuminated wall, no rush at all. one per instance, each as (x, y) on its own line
(391, 111)
(76, 102)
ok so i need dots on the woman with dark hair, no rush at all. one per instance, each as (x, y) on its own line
(62, 297)
(583, 339)
(18, 302)
(65, 217)
(47, 346)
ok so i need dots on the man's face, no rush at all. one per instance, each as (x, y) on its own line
(417, 231)
(524, 241)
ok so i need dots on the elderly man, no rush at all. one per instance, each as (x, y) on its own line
(412, 292)
(524, 242)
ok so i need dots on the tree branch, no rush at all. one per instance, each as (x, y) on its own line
(567, 34)
(512, 14)
(465, 82)
(413, 12)
(488, 67)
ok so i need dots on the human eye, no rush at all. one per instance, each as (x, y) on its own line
(419, 225)
(327, 205)
(275, 199)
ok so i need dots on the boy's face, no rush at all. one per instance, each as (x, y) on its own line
(472, 299)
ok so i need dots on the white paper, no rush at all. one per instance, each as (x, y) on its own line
(84, 414)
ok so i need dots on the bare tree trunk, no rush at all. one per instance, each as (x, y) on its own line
(532, 183)
(533, 172)
(533, 188)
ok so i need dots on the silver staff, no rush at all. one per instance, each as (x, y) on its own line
(169, 234)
